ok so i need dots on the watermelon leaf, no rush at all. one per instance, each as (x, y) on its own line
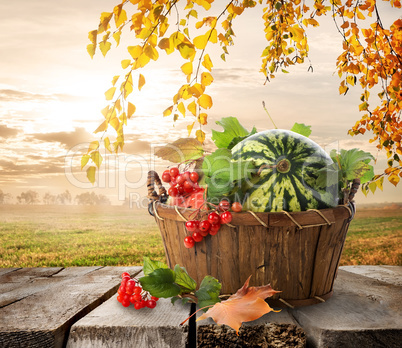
(302, 129)
(354, 164)
(233, 133)
(222, 174)
(329, 176)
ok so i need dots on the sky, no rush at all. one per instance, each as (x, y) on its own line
(51, 94)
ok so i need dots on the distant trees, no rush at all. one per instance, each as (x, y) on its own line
(92, 198)
(32, 197)
(62, 198)
(29, 197)
(4, 197)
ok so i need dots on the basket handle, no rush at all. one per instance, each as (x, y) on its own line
(353, 190)
(153, 178)
(153, 196)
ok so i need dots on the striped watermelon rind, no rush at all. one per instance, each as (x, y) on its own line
(288, 165)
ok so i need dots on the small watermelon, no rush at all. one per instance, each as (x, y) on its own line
(287, 165)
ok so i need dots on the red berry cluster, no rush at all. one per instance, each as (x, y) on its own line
(180, 183)
(131, 292)
(211, 225)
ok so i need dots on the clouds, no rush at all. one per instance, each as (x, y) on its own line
(48, 165)
(65, 139)
(6, 132)
(10, 95)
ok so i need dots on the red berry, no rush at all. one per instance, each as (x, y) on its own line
(188, 189)
(125, 278)
(180, 190)
(226, 217)
(132, 299)
(136, 297)
(120, 298)
(137, 290)
(197, 237)
(125, 302)
(173, 191)
(130, 284)
(191, 225)
(204, 226)
(213, 218)
(151, 303)
(214, 229)
(203, 233)
(194, 176)
(189, 242)
(224, 205)
(172, 182)
(237, 207)
(186, 175)
(166, 177)
(137, 305)
(154, 298)
(125, 274)
(174, 172)
(180, 179)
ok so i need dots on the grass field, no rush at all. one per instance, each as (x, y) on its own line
(35, 236)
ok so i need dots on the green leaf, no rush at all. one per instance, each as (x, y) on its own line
(160, 283)
(220, 166)
(302, 129)
(328, 176)
(208, 293)
(237, 140)
(222, 174)
(174, 299)
(181, 150)
(232, 129)
(187, 283)
(354, 164)
(151, 265)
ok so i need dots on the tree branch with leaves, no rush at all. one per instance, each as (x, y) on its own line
(371, 55)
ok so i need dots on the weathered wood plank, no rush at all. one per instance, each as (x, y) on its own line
(43, 316)
(7, 270)
(363, 312)
(112, 325)
(383, 273)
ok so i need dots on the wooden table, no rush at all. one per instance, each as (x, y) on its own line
(77, 308)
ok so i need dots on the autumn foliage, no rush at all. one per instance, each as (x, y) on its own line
(247, 304)
(371, 56)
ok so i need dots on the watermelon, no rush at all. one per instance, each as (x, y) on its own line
(287, 169)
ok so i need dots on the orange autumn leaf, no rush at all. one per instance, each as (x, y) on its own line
(247, 304)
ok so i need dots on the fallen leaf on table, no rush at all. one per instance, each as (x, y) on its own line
(247, 304)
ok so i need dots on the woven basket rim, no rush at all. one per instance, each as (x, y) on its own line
(300, 219)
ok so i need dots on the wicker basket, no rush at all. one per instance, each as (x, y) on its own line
(297, 253)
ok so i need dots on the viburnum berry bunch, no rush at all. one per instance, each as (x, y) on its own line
(180, 183)
(131, 292)
(211, 225)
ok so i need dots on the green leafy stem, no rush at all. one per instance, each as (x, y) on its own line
(161, 281)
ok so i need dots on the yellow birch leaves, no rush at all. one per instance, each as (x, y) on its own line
(370, 56)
